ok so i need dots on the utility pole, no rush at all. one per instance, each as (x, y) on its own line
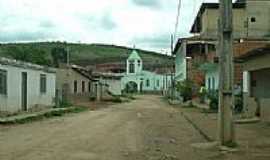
(172, 71)
(225, 120)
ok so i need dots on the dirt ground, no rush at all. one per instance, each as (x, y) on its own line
(144, 129)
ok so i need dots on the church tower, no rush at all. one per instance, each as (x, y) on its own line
(134, 63)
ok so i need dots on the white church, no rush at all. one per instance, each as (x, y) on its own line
(136, 79)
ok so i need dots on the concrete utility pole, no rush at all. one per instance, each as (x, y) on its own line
(225, 122)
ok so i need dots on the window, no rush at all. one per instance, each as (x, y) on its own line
(131, 67)
(209, 83)
(43, 83)
(147, 83)
(139, 63)
(83, 86)
(253, 19)
(213, 83)
(157, 83)
(3, 82)
(75, 87)
(89, 86)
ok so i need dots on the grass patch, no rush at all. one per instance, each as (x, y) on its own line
(203, 110)
(45, 115)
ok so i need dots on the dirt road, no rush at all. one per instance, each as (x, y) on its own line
(145, 129)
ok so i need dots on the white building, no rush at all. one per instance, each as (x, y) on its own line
(138, 80)
(24, 86)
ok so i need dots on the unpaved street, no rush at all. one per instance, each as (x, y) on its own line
(145, 129)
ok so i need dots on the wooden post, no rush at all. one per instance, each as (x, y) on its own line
(225, 122)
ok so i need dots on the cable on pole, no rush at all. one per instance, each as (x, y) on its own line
(177, 19)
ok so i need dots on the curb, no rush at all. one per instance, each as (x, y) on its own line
(197, 128)
(20, 119)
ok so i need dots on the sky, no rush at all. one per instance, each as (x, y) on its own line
(147, 24)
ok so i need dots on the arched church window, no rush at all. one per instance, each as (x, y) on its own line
(131, 67)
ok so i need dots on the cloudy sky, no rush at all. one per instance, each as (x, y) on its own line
(144, 23)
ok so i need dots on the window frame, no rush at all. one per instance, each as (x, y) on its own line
(75, 86)
(43, 84)
(83, 86)
(213, 83)
(131, 66)
(253, 19)
(89, 87)
(3, 76)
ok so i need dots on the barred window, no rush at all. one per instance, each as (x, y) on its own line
(89, 86)
(83, 86)
(3, 82)
(43, 83)
(75, 87)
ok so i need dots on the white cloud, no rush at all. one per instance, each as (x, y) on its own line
(146, 23)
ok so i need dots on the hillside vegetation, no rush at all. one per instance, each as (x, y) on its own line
(81, 54)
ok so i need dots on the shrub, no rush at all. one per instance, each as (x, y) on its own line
(213, 97)
(238, 106)
(92, 98)
(185, 89)
(202, 94)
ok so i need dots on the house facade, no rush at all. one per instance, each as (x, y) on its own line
(256, 86)
(74, 83)
(249, 33)
(112, 81)
(240, 48)
(190, 54)
(249, 20)
(25, 86)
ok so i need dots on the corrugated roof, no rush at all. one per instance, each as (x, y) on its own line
(26, 65)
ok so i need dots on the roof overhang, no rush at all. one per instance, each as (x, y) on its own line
(254, 53)
(193, 40)
(26, 65)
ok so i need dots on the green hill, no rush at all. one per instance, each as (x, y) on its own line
(81, 54)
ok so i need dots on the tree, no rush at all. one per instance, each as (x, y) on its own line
(28, 54)
(59, 55)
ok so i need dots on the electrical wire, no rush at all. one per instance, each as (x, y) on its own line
(177, 19)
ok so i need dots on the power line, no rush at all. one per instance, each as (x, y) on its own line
(177, 19)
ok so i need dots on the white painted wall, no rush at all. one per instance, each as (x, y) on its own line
(12, 101)
(114, 85)
(157, 81)
(181, 63)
